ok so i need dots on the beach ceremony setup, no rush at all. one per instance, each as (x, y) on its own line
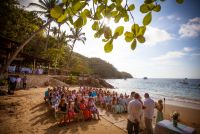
(99, 67)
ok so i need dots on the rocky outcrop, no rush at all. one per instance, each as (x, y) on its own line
(97, 82)
(43, 80)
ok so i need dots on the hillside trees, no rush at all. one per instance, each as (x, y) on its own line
(78, 12)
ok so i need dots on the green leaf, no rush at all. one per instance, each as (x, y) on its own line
(179, 1)
(133, 44)
(117, 18)
(78, 23)
(147, 19)
(118, 2)
(78, 6)
(87, 13)
(135, 29)
(157, 8)
(142, 30)
(56, 12)
(148, 1)
(64, 1)
(70, 20)
(114, 13)
(129, 36)
(62, 17)
(100, 8)
(99, 33)
(104, 40)
(105, 1)
(151, 6)
(131, 7)
(107, 32)
(126, 18)
(119, 31)
(108, 46)
(97, 16)
(141, 39)
(95, 25)
(144, 8)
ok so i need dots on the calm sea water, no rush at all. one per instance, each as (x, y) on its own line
(174, 92)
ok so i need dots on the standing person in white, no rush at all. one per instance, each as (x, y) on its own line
(134, 113)
(149, 106)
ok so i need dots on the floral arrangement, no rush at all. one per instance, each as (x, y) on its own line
(175, 117)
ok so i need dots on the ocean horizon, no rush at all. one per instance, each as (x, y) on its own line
(175, 91)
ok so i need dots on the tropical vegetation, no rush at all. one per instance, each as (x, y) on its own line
(75, 13)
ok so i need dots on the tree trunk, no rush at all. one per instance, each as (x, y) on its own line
(47, 41)
(13, 56)
(59, 25)
(69, 58)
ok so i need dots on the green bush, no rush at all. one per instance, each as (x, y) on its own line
(3, 82)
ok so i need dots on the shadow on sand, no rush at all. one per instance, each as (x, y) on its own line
(46, 116)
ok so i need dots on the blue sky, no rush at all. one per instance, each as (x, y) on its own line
(172, 48)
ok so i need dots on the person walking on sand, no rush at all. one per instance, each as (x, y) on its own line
(134, 112)
(149, 106)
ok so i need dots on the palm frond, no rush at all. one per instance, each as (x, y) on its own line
(37, 5)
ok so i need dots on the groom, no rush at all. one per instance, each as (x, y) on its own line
(134, 112)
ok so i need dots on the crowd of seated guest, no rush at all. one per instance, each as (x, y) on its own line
(76, 105)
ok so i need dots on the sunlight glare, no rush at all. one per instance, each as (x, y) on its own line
(106, 21)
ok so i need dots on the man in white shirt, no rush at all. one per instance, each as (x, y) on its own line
(149, 106)
(134, 112)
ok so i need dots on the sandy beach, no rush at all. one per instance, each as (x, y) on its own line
(26, 112)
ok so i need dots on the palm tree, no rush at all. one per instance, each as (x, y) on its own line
(76, 35)
(45, 6)
(54, 31)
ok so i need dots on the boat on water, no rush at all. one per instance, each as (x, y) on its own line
(145, 78)
(184, 81)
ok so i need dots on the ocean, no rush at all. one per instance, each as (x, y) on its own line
(174, 92)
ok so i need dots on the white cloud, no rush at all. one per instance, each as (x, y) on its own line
(174, 55)
(170, 17)
(191, 28)
(187, 49)
(170, 55)
(155, 36)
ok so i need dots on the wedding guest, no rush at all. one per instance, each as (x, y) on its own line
(131, 97)
(149, 106)
(46, 94)
(24, 81)
(62, 111)
(84, 109)
(18, 81)
(71, 112)
(159, 107)
(134, 112)
(11, 84)
(92, 107)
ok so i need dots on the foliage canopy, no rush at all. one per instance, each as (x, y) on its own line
(78, 12)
